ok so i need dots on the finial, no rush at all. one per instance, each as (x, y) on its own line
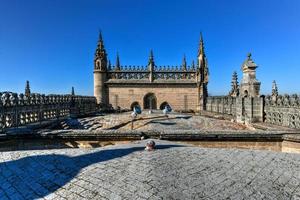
(100, 35)
(100, 41)
(151, 54)
(27, 89)
(109, 65)
(201, 45)
(249, 55)
(184, 62)
(193, 64)
(234, 85)
(118, 62)
(201, 37)
(151, 58)
(274, 90)
(73, 91)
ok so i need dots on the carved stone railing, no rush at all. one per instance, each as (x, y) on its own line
(19, 110)
(162, 72)
(280, 110)
(283, 110)
(221, 104)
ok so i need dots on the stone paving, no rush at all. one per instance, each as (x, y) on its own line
(173, 171)
(155, 121)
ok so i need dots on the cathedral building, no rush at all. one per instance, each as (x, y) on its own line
(184, 88)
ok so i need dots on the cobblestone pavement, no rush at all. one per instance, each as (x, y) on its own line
(172, 171)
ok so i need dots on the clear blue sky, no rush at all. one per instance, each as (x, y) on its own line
(52, 42)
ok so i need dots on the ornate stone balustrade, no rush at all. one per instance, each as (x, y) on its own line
(278, 110)
(19, 110)
(283, 110)
(162, 72)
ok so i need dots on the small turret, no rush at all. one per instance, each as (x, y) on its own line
(27, 89)
(100, 73)
(234, 85)
(250, 86)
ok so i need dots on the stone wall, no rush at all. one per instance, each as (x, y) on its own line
(179, 97)
(244, 110)
(249, 109)
(280, 110)
(221, 104)
(283, 110)
(19, 110)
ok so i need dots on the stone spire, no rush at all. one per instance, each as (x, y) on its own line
(151, 66)
(184, 63)
(193, 65)
(109, 66)
(202, 76)
(274, 90)
(73, 91)
(201, 46)
(202, 63)
(234, 85)
(118, 66)
(100, 60)
(27, 89)
(151, 63)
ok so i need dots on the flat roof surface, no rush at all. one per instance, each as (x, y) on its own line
(127, 171)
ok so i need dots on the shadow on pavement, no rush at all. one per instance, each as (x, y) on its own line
(37, 176)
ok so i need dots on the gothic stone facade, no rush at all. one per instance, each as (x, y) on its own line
(184, 88)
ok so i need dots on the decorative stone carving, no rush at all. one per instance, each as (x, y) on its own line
(21, 109)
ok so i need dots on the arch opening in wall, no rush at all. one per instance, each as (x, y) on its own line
(163, 105)
(150, 101)
(134, 104)
(246, 93)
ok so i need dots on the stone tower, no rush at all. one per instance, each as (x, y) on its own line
(250, 86)
(234, 85)
(100, 73)
(202, 76)
(27, 89)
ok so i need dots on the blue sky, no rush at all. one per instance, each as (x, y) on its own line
(51, 43)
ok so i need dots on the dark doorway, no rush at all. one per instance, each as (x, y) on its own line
(150, 101)
(163, 105)
(246, 93)
(134, 104)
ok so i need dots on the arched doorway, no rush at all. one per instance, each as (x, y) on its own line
(163, 105)
(134, 104)
(150, 101)
(246, 93)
